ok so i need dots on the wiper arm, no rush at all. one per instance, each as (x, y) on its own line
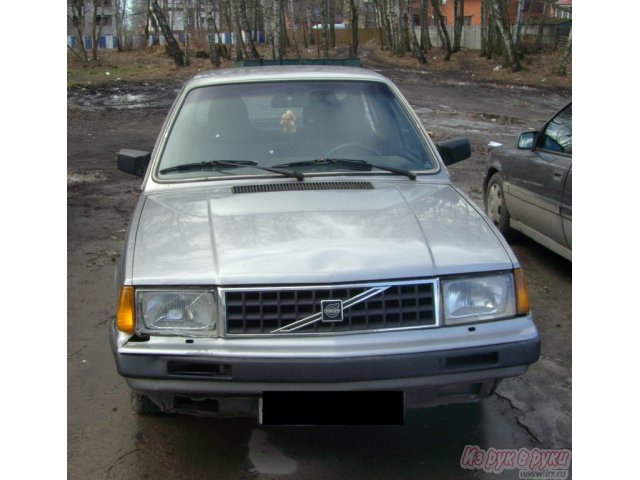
(350, 164)
(230, 164)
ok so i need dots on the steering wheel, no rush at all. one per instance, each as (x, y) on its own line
(354, 146)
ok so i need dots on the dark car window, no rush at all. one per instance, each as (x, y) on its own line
(557, 136)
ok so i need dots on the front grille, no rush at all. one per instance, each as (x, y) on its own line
(262, 312)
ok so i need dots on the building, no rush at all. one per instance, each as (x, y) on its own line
(80, 13)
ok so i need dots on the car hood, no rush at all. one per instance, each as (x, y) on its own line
(212, 236)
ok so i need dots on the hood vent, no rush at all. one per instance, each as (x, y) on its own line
(300, 186)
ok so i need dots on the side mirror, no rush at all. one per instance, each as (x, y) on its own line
(134, 162)
(527, 140)
(454, 151)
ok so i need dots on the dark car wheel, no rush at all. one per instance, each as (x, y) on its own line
(496, 207)
(143, 405)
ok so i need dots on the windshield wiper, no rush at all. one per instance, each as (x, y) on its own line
(230, 164)
(349, 164)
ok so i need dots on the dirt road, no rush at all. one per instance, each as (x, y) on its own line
(105, 440)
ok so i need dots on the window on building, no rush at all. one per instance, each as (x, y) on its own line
(467, 20)
(105, 20)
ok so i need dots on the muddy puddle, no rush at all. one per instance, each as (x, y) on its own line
(120, 97)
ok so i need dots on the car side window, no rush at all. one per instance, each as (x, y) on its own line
(557, 136)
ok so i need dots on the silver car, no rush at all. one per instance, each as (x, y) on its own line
(528, 188)
(299, 252)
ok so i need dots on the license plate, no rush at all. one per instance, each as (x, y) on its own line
(332, 408)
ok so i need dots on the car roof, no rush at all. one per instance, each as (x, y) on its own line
(283, 73)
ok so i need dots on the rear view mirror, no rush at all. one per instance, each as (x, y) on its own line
(527, 140)
(134, 162)
(454, 151)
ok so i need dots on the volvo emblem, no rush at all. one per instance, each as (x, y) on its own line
(331, 310)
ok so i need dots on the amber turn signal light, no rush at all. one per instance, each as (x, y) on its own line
(126, 312)
(522, 293)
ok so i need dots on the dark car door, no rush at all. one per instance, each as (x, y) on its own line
(536, 179)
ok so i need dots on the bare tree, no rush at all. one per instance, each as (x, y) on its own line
(415, 45)
(172, 45)
(324, 13)
(120, 12)
(442, 28)
(353, 8)
(517, 29)
(213, 35)
(392, 14)
(383, 23)
(562, 70)
(458, 9)
(244, 21)
(96, 32)
(278, 28)
(294, 30)
(332, 22)
(425, 41)
(490, 46)
(312, 40)
(185, 24)
(232, 16)
(500, 20)
(77, 19)
(539, 38)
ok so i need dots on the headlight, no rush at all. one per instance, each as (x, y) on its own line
(188, 311)
(477, 299)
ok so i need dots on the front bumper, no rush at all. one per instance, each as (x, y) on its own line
(461, 371)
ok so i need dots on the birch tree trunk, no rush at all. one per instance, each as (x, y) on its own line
(324, 13)
(383, 23)
(172, 45)
(488, 32)
(244, 20)
(212, 32)
(458, 8)
(231, 7)
(394, 21)
(484, 30)
(541, 26)
(425, 41)
(517, 34)
(507, 41)
(312, 40)
(78, 21)
(294, 28)
(443, 29)
(96, 34)
(277, 27)
(332, 24)
(185, 24)
(268, 26)
(415, 45)
(562, 70)
(353, 48)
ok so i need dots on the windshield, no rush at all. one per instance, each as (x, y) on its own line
(235, 129)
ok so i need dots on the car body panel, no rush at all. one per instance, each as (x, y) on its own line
(537, 191)
(396, 230)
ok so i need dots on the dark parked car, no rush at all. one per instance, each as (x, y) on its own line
(528, 188)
